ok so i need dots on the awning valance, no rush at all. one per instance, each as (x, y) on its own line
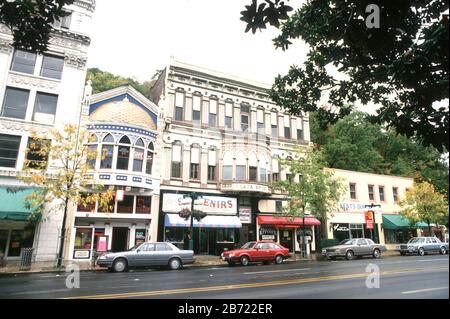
(174, 220)
(287, 221)
(12, 205)
(396, 221)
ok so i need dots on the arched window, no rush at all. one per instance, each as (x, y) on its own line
(195, 162)
(176, 159)
(150, 154)
(227, 171)
(263, 169)
(123, 154)
(138, 160)
(241, 167)
(253, 167)
(107, 152)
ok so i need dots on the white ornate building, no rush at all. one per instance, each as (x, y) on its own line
(222, 139)
(39, 92)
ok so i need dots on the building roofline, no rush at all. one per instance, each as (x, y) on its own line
(367, 173)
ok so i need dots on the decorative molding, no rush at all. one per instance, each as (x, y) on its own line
(5, 46)
(86, 4)
(31, 81)
(16, 126)
(78, 62)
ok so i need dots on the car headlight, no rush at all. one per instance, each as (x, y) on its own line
(337, 250)
(231, 255)
(102, 257)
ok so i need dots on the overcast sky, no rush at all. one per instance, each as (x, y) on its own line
(138, 37)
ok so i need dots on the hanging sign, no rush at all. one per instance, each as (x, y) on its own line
(369, 220)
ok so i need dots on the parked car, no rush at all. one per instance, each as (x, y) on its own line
(147, 255)
(351, 248)
(256, 251)
(422, 246)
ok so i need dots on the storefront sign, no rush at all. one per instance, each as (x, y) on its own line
(82, 254)
(173, 203)
(246, 188)
(139, 237)
(245, 215)
(266, 233)
(369, 220)
(338, 227)
(352, 206)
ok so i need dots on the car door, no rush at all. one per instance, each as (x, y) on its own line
(362, 247)
(261, 252)
(145, 255)
(428, 246)
(435, 244)
(162, 254)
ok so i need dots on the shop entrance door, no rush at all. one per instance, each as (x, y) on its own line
(120, 239)
(286, 239)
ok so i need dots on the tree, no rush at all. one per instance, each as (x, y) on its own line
(400, 64)
(103, 81)
(66, 181)
(31, 21)
(424, 203)
(317, 190)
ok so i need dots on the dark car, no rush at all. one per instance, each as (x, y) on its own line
(147, 255)
(350, 248)
(256, 251)
(422, 246)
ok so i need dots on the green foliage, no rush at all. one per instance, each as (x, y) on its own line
(31, 21)
(103, 81)
(401, 66)
(354, 143)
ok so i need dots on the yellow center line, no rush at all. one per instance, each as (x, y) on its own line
(246, 286)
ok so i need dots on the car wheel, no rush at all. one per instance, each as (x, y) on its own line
(349, 255)
(244, 261)
(421, 251)
(120, 265)
(174, 263)
(279, 259)
(442, 251)
(376, 254)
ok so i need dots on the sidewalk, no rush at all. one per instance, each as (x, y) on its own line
(200, 261)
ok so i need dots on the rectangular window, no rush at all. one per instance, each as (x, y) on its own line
(126, 206)
(196, 109)
(83, 238)
(109, 208)
(278, 206)
(176, 161)
(245, 117)
(9, 150)
(179, 106)
(212, 112)
(179, 113)
(15, 103)
(229, 115)
(20, 239)
(225, 235)
(227, 173)
(352, 190)
(64, 22)
(229, 122)
(34, 159)
(299, 135)
(195, 163)
(92, 154)
(176, 169)
(395, 194)
(381, 193)
(194, 171)
(89, 208)
(253, 172)
(148, 168)
(123, 157)
(276, 177)
(371, 193)
(143, 204)
(241, 173)
(260, 122)
(287, 127)
(138, 161)
(274, 124)
(107, 156)
(23, 62)
(211, 173)
(262, 175)
(45, 108)
(289, 177)
(52, 67)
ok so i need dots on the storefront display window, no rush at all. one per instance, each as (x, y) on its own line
(356, 230)
(125, 206)
(20, 239)
(83, 238)
(392, 236)
(225, 235)
(143, 204)
(175, 234)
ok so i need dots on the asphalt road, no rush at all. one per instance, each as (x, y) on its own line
(400, 278)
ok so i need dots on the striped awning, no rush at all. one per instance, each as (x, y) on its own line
(213, 221)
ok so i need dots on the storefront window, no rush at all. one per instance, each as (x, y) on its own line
(225, 235)
(100, 240)
(143, 204)
(394, 236)
(108, 208)
(357, 230)
(20, 239)
(3, 241)
(125, 206)
(90, 207)
(175, 234)
(83, 238)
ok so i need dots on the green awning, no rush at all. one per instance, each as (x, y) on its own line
(394, 221)
(12, 205)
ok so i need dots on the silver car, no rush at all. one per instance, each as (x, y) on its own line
(147, 255)
(350, 248)
(422, 246)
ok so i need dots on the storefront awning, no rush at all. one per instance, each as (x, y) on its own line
(12, 205)
(174, 220)
(287, 222)
(395, 221)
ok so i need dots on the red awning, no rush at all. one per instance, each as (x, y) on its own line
(286, 221)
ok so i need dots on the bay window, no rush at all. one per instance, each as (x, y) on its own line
(123, 154)
(138, 161)
(107, 152)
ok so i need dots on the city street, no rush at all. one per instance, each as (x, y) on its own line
(401, 277)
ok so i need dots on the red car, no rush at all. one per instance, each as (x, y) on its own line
(254, 251)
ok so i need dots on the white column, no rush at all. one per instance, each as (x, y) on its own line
(132, 236)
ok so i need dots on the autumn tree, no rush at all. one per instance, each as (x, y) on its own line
(423, 203)
(57, 166)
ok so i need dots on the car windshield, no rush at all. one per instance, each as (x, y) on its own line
(348, 242)
(415, 240)
(249, 245)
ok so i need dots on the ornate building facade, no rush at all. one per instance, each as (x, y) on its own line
(222, 139)
(38, 92)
